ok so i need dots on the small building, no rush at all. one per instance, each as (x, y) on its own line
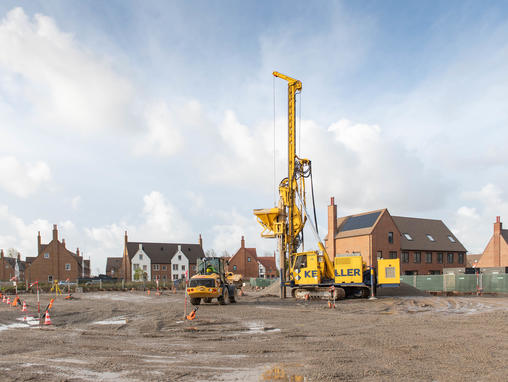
(11, 267)
(495, 253)
(244, 261)
(114, 266)
(247, 263)
(424, 246)
(165, 261)
(267, 267)
(55, 262)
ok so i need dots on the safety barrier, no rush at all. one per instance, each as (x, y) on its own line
(463, 283)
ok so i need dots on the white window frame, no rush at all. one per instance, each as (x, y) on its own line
(430, 237)
(68, 267)
(408, 236)
(46, 255)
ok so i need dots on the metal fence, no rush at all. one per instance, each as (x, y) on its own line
(486, 283)
(260, 282)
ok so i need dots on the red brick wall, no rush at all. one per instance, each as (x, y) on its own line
(243, 266)
(424, 268)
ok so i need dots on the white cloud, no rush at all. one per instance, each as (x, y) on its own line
(163, 137)
(66, 84)
(22, 179)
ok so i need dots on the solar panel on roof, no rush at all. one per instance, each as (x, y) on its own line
(359, 222)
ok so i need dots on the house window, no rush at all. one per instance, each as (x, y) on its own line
(164, 277)
(428, 257)
(248, 259)
(175, 277)
(449, 259)
(417, 257)
(234, 267)
(50, 279)
(175, 267)
(156, 267)
(461, 258)
(136, 266)
(67, 267)
(194, 267)
(46, 255)
(408, 236)
(144, 267)
(440, 258)
(179, 257)
(405, 257)
(164, 268)
(379, 254)
(393, 254)
(451, 238)
(183, 267)
(430, 237)
(390, 237)
(140, 256)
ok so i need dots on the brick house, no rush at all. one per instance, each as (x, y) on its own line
(424, 246)
(114, 266)
(11, 266)
(247, 263)
(267, 267)
(244, 261)
(495, 253)
(166, 261)
(55, 262)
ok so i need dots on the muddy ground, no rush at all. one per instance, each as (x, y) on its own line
(132, 336)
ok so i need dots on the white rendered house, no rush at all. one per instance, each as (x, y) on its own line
(179, 264)
(141, 260)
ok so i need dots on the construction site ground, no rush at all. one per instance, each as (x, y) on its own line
(133, 336)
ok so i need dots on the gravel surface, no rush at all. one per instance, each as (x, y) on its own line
(130, 336)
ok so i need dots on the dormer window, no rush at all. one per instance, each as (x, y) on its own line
(430, 237)
(407, 236)
(140, 256)
(451, 239)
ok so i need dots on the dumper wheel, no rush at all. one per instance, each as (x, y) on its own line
(207, 300)
(224, 299)
(233, 297)
(195, 301)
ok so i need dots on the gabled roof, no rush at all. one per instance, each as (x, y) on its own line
(161, 253)
(268, 263)
(359, 224)
(113, 263)
(419, 228)
(504, 234)
(30, 259)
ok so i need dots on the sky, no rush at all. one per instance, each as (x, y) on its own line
(162, 118)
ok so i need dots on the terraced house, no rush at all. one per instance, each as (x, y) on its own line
(165, 261)
(424, 246)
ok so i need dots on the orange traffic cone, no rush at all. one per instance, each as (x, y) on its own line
(15, 302)
(8, 301)
(192, 315)
(148, 292)
(47, 320)
(174, 290)
(24, 309)
(4, 299)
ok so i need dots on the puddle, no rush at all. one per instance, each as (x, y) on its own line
(255, 327)
(21, 325)
(112, 321)
(279, 374)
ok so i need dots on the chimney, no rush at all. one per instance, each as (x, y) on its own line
(126, 238)
(39, 245)
(19, 256)
(55, 232)
(498, 226)
(332, 228)
(77, 252)
(200, 241)
(243, 242)
(63, 242)
(2, 253)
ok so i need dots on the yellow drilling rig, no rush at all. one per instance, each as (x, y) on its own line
(312, 273)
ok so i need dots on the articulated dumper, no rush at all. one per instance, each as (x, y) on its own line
(313, 273)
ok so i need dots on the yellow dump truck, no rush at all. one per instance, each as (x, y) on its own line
(211, 282)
